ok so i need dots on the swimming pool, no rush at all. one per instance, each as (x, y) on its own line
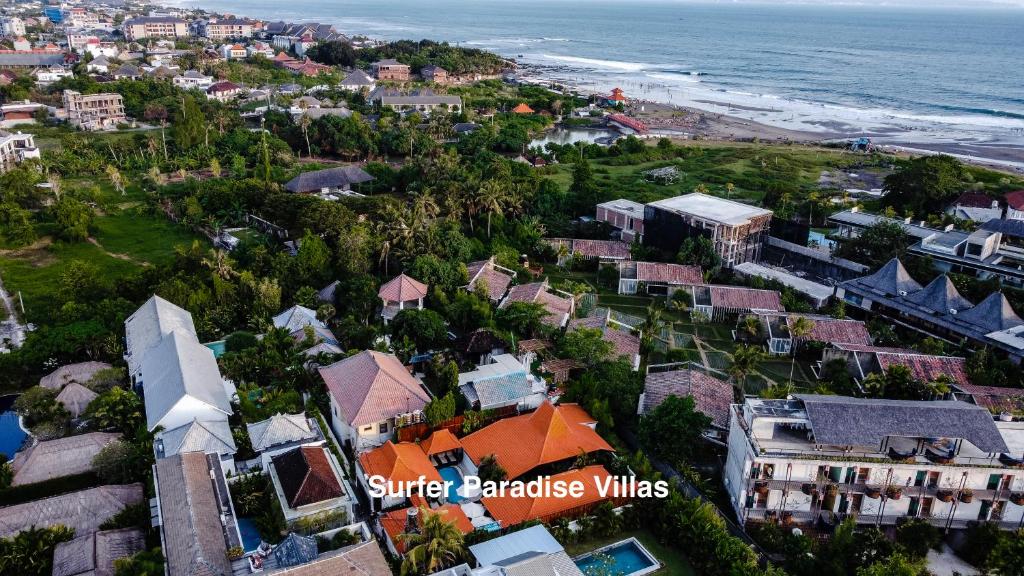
(452, 474)
(626, 558)
(218, 347)
(11, 434)
(250, 535)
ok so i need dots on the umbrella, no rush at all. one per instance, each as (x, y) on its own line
(473, 510)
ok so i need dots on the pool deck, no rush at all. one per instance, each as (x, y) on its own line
(655, 563)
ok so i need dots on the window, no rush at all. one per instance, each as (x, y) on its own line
(383, 428)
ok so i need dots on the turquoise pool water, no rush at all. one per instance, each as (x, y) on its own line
(11, 434)
(218, 348)
(250, 535)
(620, 559)
(451, 474)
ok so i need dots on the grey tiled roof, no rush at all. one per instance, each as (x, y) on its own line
(279, 429)
(180, 367)
(356, 79)
(891, 280)
(844, 421)
(193, 538)
(941, 296)
(94, 554)
(330, 178)
(60, 457)
(211, 437)
(82, 511)
(295, 550)
(992, 314)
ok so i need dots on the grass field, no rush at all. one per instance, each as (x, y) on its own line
(125, 239)
(746, 166)
(675, 562)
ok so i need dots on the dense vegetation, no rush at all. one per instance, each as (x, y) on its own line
(454, 59)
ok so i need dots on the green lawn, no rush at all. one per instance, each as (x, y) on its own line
(674, 561)
(143, 237)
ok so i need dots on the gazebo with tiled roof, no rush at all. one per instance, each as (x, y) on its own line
(399, 293)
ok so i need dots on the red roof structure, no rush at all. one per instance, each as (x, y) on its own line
(440, 441)
(1015, 199)
(548, 435)
(395, 522)
(522, 108)
(974, 200)
(402, 462)
(371, 387)
(926, 368)
(631, 123)
(558, 308)
(306, 476)
(671, 274)
(617, 95)
(739, 298)
(510, 511)
(484, 273)
(832, 330)
(711, 395)
(402, 288)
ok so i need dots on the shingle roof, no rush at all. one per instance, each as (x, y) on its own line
(193, 537)
(279, 429)
(94, 554)
(671, 274)
(210, 437)
(296, 318)
(148, 325)
(330, 178)
(924, 367)
(550, 434)
(844, 421)
(363, 559)
(295, 550)
(61, 457)
(891, 279)
(306, 476)
(402, 462)
(511, 510)
(76, 398)
(710, 395)
(994, 313)
(357, 78)
(940, 296)
(402, 288)
(81, 511)
(537, 292)
(180, 367)
(371, 386)
(496, 281)
(739, 298)
(833, 330)
(613, 249)
(624, 343)
(1014, 228)
(81, 372)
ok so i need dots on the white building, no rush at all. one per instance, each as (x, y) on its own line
(12, 26)
(46, 76)
(233, 52)
(945, 461)
(193, 79)
(16, 148)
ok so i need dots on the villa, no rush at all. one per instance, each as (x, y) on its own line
(625, 344)
(329, 184)
(51, 459)
(736, 230)
(550, 435)
(94, 554)
(372, 393)
(397, 463)
(510, 511)
(491, 277)
(605, 251)
(712, 396)
(559, 307)
(282, 432)
(626, 216)
(657, 278)
(502, 381)
(82, 511)
(392, 70)
(308, 482)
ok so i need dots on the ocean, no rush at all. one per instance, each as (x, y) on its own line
(900, 75)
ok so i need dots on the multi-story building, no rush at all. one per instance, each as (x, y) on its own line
(391, 70)
(94, 111)
(77, 17)
(423, 101)
(434, 74)
(625, 215)
(224, 29)
(12, 26)
(154, 27)
(813, 457)
(736, 230)
(193, 79)
(15, 148)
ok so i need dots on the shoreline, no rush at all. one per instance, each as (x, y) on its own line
(727, 121)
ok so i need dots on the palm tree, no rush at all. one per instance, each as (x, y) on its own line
(304, 123)
(797, 330)
(493, 198)
(744, 362)
(752, 326)
(436, 546)
(219, 262)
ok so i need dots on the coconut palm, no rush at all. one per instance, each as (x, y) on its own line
(798, 328)
(436, 546)
(752, 326)
(493, 198)
(744, 362)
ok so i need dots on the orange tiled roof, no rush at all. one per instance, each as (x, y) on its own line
(551, 434)
(522, 108)
(511, 511)
(394, 522)
(403, 462)
(440, 441)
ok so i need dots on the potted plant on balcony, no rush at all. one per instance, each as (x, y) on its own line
(893, 492)
(944, 495)
(966, 495)
(761, 487)
(809, 488)
(873, 492)
(1017, 498)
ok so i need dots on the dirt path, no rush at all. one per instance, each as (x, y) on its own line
(124, 257)
(12, 330)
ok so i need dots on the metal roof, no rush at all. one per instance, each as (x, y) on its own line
(532, 539)
(845, 421)
(176, 368)
(712, 208)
